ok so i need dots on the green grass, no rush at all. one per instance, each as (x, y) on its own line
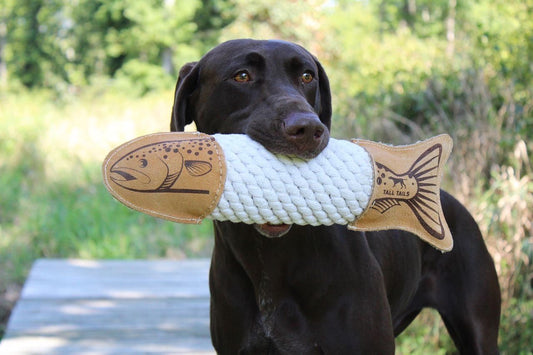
(52, 199)
(426, 335)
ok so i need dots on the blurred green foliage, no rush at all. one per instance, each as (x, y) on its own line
(79, 77)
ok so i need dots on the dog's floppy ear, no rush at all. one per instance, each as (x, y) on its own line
(325, 109)
(186, 84)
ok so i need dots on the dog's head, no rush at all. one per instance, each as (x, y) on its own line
(274, 91)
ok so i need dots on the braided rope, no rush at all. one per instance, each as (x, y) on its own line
(261, 187)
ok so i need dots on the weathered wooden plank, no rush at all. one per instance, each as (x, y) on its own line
(117, 279)
(112, 307)
(111, 342)
(186, 315)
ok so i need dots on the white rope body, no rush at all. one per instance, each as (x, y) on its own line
(261, 187)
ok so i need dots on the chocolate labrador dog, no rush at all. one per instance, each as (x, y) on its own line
(282, 289)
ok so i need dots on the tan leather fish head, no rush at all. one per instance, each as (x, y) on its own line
(150, 168)
(179, 177)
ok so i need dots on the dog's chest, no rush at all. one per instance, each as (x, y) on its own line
(266, 304)
(279, 310)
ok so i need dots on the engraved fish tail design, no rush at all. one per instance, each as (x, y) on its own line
(408, 200)
(416, 188)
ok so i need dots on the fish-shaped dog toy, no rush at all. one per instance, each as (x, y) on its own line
(186, 177)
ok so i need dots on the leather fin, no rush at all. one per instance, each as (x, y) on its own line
(406, 192)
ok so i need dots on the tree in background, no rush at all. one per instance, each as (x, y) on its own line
(50, 43)
(32, 53)
(211, 18)
(138, 42)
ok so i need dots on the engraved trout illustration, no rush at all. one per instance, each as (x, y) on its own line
(157, 167)
(416, 188)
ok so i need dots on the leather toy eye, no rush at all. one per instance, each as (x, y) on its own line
(242, 76)
(307, 77)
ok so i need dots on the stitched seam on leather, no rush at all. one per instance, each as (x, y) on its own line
(221, 180)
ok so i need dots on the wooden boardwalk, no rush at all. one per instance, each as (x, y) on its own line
(112, 307)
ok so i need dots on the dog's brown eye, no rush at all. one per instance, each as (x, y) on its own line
(307, 77)
(242, 76)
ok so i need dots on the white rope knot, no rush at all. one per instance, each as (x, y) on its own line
(261, 187)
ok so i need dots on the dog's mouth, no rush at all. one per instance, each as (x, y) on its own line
(299, 134)
(272, 230)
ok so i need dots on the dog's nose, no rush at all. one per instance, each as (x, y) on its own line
(303, 127)
(304, 130)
